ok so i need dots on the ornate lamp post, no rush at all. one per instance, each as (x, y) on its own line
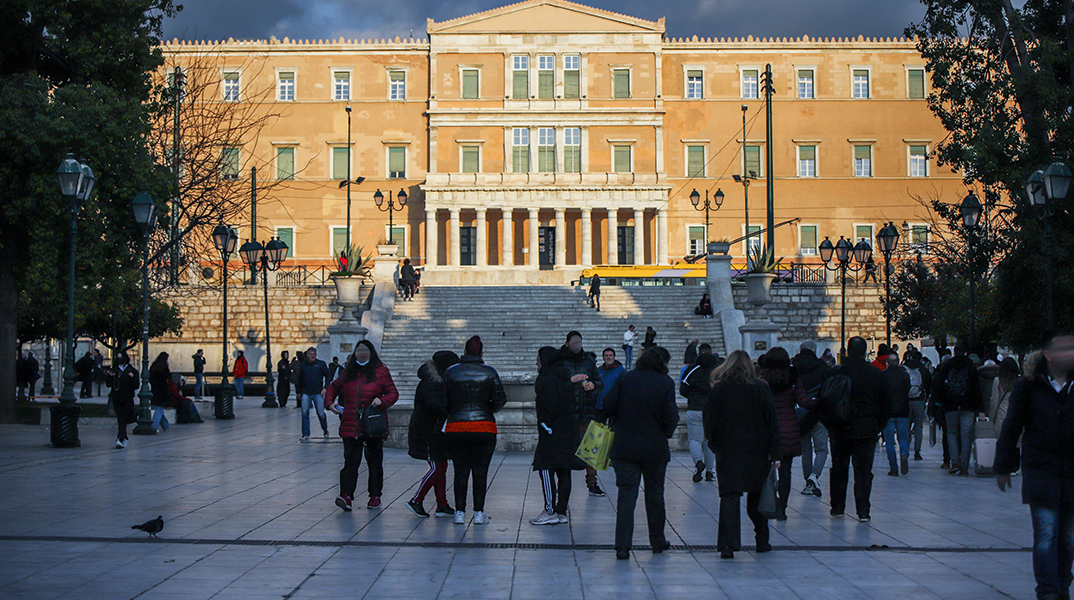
(971, 214)
(379, 199)
(76, 183)
(717, 199)
(1044, 188)
(269, 258)
(224, 238)
(145, 214)
(844, 252)
(887, 239)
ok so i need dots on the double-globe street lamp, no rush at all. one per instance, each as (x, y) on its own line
(379, 199)
(145, 214)
(971, 210)
(225, 239)
(1044, 188)
(717, 199)
(887, 239)
(76, 183)
(844, 251)
(268, 257)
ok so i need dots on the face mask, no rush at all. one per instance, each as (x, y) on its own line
(362, 363)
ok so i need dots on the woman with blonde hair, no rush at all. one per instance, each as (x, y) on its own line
(742, 430)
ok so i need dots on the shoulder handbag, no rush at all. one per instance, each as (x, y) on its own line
(374, 423)
(767, 503)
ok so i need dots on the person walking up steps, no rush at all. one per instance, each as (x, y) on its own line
(425, 440)
(557, 437)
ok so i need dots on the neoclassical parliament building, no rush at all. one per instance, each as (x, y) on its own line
(543, 137)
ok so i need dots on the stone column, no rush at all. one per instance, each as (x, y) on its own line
(432, 241)
(639, 236)
(587, 236)
(534, 259)
(508, 237)
(455, 258)
(482, 239)
(662, 236)
(561, 237)
(613, 236)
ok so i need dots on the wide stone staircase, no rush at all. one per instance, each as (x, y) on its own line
(514, 322)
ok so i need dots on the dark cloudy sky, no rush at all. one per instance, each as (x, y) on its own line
(302, 19)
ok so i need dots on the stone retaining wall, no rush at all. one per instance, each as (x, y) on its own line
(811, 311)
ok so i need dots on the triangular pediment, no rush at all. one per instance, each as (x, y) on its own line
(541, 16)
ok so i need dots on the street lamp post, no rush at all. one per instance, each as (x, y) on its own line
(145, 214)
(76, 183)
(844, 252)
(887, 239)
(379, 199)
(971, 214)
(1045, 187)
(269, 258)
(695, 199)
(745, 178)
(224, 238)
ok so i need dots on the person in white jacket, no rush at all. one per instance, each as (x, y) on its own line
(630, 338)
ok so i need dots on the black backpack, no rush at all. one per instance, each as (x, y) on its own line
(957, 384)
(836, 405)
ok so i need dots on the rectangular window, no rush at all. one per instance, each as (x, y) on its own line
(753, 160)
(285, 87)
(572, 71)
(470, 84)
(231, 86)
(340, 160)
(620, 83)
(397, 163)
(750, 84)
(696, 240)
(572, 150)
(863, 232)
(546, 76)
(342, 85)
(520, 150)
(694, 86)
(807, 244)
(805, 84)
(396, 85)
(471, 159)
(520, 82)
(919, 238)
(285, 163)
(863, 159)
(229, 163)
(916, 84)
(339, 240)
(621, 158)
(695, 161)
(396, 235)
(287, 236)
(861, 84)
(755, 238)
(546, 150)
(807, 161)
(919, 163)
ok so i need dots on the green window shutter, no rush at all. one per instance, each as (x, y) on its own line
(469, 84)
(339, 163)
(397, 163)
(572, 84)
(807, 152)
(397, 76)
(863, 232)
(339, 240)
(287, 236)
(229, 164)
(753, 160)
(572, 159)
(285, 163)
(545, 84)
(917, 151)
(546, 159)
(621, 83)
(809, 238)
(471, 159)
(861, 153)
(693, 74)
(695, 161)
(521, 88)
(622, 159)
(520, 159)
(917, 83)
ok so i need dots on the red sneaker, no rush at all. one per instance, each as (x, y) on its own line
(344, 502)
(374, 502)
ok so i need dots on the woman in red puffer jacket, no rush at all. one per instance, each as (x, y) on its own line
(788, 392)
(365, 382)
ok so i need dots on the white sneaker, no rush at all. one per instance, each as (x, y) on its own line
(460, 517)
(545, 519)
(304, 438)
(480, 518)
(563, 519)
(119, 444)
(124, 442)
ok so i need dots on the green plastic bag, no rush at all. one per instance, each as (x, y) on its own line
(595, 446)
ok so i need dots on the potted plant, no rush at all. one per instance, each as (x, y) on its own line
(352, 269)
(760, 275)
(720, 246)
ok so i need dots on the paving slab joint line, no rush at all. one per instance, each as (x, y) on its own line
(701, 548)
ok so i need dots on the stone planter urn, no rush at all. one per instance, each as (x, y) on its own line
(719, 247)
(348, 295)
(759, 288)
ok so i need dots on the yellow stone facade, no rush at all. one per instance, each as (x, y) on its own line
(545, 136)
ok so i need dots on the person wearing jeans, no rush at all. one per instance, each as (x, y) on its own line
(956, 389)
(920, 384)
(1041, 415)
(316, 401)
(960, 426)
(898, 426)
(239, 371)
(696, 386)
(310, 381)
(814, 456)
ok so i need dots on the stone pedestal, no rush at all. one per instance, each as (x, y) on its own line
(386, 264)
(718, 283)
(759, 337)
(344, 336)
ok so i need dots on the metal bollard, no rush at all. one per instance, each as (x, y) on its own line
(224, 405)
(64, 427)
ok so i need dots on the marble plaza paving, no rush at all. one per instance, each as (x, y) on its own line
(249, 514)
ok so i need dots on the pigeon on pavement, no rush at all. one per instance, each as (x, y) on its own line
(152, 527)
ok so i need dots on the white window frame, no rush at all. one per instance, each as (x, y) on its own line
(510, 81)
(854, 161)
(798, 159)
(332, 160)
(742, 81)
(815, 252)
(704, 239)
(630, 83)
(224, 85)
(910, 237)
(854, 239)
(350, 83)
(332, 229)
(760, 158)
(924, 81)
(515, 134)
(387, 158)
(686, 82)
(797, 89)
(910, 160)
(555, 149)
(291, 246)
(294, 84)
(563, 75)
(757, 239)
(612, 144)
(463, 69)
(238, 172)
(479, 144)
(567, 144)
(869, 83)
(406, 77)
(686, 145)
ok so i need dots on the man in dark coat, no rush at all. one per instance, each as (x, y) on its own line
(898, 426)
(576, 361)
(123, 379)
(283, 382)
(84, 370)
(855, 441)
(32, 373)
(1041, 415)
(956, 388)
